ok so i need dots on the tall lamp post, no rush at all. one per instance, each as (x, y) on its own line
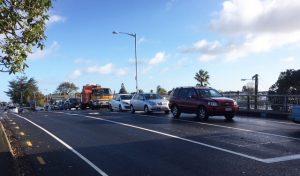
(132, 35)
(255, 78)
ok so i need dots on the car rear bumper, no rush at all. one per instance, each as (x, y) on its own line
(222, 110)
(160, 108)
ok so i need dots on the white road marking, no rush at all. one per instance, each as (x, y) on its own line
(67, 146)
(94, 113)
(175, 137)
(263, 160)
(41, 160)
(228, 127)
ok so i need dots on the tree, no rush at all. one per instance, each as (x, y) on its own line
(24, 90)
(160, 90)
(248, 88)
(202, 77)
(66, 88)
(22, 26)
(123, 89)
(288, 83)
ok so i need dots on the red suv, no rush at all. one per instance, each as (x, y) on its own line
(203, 101)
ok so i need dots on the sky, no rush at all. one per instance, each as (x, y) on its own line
(231, 39)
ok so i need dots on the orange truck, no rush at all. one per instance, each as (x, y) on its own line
(95, 97)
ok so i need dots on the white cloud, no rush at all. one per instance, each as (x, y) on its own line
(141, 40)
(288, 59)
(42, 54)
(107, 69)
(76, 74)
(206, 58)
(121, 72)
(158, 58)
(55, 19)
(102, 70)
(251, 27)
(82, 61)
(257, 16)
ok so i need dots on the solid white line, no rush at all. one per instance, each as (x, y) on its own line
(267, 160)
(233, 128)
(173, 136)
(67, 146)
(282, 158)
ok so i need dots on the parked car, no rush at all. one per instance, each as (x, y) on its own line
(120, 102)
(149, 102)
(61, 105)
(13, 109)
(38, 108)
(72, 103)
(203, 101)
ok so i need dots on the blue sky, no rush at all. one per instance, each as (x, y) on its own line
(231, 39)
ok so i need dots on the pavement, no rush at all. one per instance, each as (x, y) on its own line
(120, 143)
(6, 159)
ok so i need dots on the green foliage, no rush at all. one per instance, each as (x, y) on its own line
(123, 89)
(202, 77)
(24, 90)
(160, 90)
(22, 26)
(288, 83)
(248, 89)
(66, 88)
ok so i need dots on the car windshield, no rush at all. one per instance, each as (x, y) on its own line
(102, 91)
(209, 93)
(126, 97)
(74, 100)
(152, 96)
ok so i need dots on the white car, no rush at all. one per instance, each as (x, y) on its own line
(120, 102)
(149, 102)
(13, 109)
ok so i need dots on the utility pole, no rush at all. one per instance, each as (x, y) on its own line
(255, 77)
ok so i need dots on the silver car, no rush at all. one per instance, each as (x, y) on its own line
(149, 102)
(120, 102)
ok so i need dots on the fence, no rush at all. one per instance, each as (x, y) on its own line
(281, 103)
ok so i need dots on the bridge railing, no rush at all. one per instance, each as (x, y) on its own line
(281, 103)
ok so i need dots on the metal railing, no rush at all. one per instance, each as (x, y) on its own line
(280, 103)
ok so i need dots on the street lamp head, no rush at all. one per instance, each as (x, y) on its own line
(243, 79)
(115, 32)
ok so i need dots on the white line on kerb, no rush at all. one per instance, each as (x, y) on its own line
(67, 146)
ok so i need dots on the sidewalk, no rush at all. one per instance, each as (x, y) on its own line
(6, 160)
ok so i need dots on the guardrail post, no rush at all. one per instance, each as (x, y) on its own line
(248, 102)
(285, 103)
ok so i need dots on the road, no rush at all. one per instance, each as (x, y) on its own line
(119, 143)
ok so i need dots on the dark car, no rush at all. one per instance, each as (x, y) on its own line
(203, 101)
(72, 103)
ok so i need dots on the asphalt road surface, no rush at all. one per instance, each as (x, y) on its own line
(119, 143)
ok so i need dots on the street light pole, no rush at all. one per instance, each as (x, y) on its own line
(132, 35)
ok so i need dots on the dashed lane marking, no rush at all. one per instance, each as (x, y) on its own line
(41, 160)
(29, 144)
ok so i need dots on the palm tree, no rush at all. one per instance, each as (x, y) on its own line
(202, 77)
